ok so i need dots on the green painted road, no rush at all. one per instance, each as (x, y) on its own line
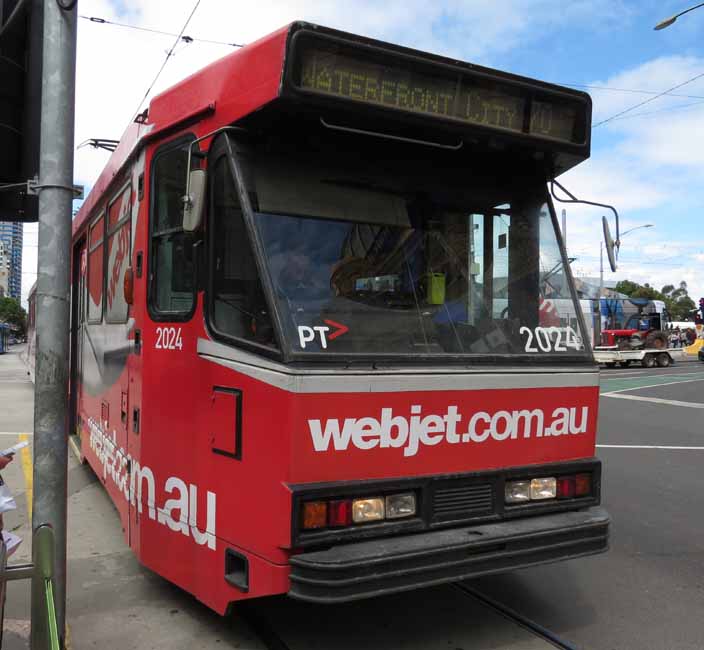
(611, 384)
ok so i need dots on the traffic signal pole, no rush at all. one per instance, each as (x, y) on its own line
(55, 189)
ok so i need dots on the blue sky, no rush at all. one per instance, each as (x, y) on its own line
(647, 164)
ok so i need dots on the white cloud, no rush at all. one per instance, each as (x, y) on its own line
(649, 167)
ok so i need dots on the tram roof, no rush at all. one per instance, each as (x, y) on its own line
(208, 96)
(249, 78)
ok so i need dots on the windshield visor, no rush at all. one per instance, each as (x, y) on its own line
(392, 262)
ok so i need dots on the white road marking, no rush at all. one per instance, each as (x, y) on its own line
(648, 374)
(667, 383)
(656, 400)
(16, 433)
(648, 447)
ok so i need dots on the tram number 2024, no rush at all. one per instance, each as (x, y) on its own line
(168, 338)
(551, 339)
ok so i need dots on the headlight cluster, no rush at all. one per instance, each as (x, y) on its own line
(549, 487)
(335, 513)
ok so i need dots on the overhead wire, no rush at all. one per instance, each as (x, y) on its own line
(184, 38)
(659, 110)
(621, 260)
(647, 101)
(169, 54)
(630, 90)
(20, 7)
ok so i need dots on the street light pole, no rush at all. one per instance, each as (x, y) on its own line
(645, 225)
(53, 291)
(668, 21)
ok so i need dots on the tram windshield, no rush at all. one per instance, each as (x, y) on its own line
(398, 258)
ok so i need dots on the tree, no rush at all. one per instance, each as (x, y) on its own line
(635, 290)
(12, 312)
(676, 299)
(679, 304)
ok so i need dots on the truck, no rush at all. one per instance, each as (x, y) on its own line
(640, 331)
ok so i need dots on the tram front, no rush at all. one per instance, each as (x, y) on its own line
(385, 268)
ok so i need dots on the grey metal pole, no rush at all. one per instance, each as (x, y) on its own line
(601, 268)
(53, 291)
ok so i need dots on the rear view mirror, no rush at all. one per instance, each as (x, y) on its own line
(611, 245)
(194, 200)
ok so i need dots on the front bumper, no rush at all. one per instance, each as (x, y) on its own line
(383, 566)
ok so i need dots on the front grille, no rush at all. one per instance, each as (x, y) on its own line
(459, 502)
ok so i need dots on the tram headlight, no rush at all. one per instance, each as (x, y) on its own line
(364, 510)
(400, 505)
(517, 491)
(537, 489)
(543, 488)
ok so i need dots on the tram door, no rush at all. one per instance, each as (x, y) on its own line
(78, 287)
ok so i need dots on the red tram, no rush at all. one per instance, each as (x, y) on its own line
(310, 349)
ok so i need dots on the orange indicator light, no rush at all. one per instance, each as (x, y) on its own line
(315, 514)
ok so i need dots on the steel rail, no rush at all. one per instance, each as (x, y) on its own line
(515, 617)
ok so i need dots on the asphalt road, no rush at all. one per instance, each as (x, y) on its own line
(647, 593)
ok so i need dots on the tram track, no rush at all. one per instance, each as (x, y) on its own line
(515, 617)
(263, 628)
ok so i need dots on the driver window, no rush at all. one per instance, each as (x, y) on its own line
(239, 308)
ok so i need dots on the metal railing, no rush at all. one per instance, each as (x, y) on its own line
(41, 569)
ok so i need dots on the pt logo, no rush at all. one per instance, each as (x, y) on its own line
(307, 334)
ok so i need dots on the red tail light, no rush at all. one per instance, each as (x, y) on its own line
(340, 513)
(583, 485)
(565, 487)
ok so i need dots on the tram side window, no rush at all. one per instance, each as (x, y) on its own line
(239, 308)
(172, 282)
(95, 270)
(118, 255)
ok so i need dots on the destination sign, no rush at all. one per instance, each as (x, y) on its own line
(449, 95)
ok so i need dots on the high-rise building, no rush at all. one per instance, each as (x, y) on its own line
(4, 271)
(11, 235)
